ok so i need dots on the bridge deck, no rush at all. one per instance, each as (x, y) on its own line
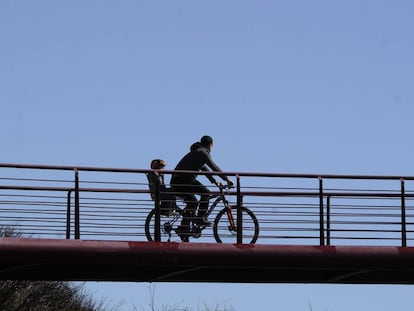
(56, 259)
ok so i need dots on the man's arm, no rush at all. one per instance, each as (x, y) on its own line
(209, 177)
(214, 167)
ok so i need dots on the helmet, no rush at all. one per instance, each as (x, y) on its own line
(158, 163)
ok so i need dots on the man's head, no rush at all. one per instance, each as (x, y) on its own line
(157, 164)
(206, 141)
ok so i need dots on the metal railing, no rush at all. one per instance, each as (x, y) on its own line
(112, 203)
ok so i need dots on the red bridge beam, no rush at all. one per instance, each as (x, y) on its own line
(49, 259)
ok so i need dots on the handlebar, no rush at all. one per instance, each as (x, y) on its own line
(223, 187)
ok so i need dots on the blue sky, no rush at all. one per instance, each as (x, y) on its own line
(282, 86)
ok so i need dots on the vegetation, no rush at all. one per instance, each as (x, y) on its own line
(16, 295)
(179, 306)
(43, 295)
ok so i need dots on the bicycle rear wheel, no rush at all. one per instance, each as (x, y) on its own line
(168, 225)
(224, 232)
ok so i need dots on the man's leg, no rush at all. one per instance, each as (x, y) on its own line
(204, 193)
(188, 214)
(191, 203)
(179, 188)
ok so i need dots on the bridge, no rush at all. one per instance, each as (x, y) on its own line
(87, 223)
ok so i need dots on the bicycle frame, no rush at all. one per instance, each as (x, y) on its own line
(221, 197)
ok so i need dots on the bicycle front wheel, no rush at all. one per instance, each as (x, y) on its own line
(225, 230)
(168, 226)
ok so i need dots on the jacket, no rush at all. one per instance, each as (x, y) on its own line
(198, 159)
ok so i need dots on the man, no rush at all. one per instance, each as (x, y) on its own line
(187, 186)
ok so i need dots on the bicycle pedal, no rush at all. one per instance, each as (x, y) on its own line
(196, 232)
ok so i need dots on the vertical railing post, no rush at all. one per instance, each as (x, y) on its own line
(403, 216)
(239, 212)
(321, 226)
(328, 220)
(68, 215)
(157, 225)
(77, 213)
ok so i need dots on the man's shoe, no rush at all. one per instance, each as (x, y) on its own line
(203, 222)
(184, 238)
(183, 232)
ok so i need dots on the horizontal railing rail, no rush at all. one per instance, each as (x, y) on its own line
(113, 203)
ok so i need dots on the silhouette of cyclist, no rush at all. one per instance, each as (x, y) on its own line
(187, 186)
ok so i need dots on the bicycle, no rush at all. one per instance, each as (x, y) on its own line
(224, 225)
